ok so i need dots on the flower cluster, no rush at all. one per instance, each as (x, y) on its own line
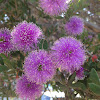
(5, 41)
(26, 89)
(53, 7)
(25, 36)
(38, 67)
(68, 53)
(74, 26)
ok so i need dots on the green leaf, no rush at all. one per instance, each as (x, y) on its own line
(33, 19)
(6, 61)
(3, 68)
(19, 63)
(1, 1)
(12, 3)
(79, 85)
(1, 61)
(99, 36)
(94, 88)
(94, 76)
(71, 78)
(3, 56)
(43, 44)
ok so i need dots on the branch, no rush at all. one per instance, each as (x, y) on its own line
(92, 26)
(89, 54)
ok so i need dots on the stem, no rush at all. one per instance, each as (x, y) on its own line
(2, 98)
(7, 98)
(66, 95)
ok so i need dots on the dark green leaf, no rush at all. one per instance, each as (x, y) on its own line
(94, 76)
(79, 85)
(12, 3)
(3, 56)
(94, 88)
(1, 61)
(43, 44)
(71, 78)
(3, 68)
(33, 19)
(1, 1)
(7, 63)
(99, 36)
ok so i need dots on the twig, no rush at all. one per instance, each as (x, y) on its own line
(90, 54)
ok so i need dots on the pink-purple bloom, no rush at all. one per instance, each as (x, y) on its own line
(75, 26)
(80, 74)
(53, 7)
(38, 67)
(68, 54)
(5, 41)
(27, 90)
(25, 36)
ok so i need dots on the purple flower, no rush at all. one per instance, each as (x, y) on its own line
(80, 74)
(68, 54)
(5, 41)
(74, 26)
(38, 67)
(89, 38)
(53, 7)
(27, 90)
(25, 36)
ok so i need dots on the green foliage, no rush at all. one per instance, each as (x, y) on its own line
(94, 77)
(3, 68)
(79, 85)
(1, 61)
(43, 44)
(99, 36)
(94, 88)
(6, 61)
(76, 7)
(59, 87)
(71, 78)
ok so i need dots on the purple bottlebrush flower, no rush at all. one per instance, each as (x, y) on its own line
(68, 54)
(38, 67)
(75, 26)
(53, 7)
(25, 36)
(5, 41)
(27, 90)
(80, 74)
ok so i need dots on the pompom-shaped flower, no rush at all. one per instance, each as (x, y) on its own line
(53, 7)
(27, 90)
(25, 36)
(68, 54)
(74, 26)
(5, 40)
(80, 74)
(38, 67)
